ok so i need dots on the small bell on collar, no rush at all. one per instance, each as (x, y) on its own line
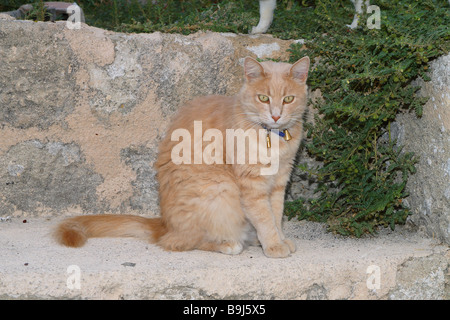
(287, 135)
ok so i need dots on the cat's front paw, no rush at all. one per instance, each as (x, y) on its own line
(290, 244)
(280, 250)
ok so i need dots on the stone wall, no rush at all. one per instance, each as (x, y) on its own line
(429, 138)
(82, 111)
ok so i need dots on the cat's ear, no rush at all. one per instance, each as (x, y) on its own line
(253, 69)
(299, 70)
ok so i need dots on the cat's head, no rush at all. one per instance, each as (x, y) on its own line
(274, 94)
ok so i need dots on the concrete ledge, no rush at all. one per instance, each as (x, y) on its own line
(404, 265)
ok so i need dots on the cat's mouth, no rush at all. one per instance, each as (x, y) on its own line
(272, 126)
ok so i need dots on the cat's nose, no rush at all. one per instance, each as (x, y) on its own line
(275, 118)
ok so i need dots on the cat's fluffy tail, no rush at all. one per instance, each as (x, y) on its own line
(74, 232)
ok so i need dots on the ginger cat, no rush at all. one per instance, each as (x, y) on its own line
(218, 206)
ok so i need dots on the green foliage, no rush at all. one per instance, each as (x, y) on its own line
(38, 13)
(365, 78)
(9, 5)
(190, 16)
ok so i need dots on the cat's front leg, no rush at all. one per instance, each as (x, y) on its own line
(277, 202)
(258, 210)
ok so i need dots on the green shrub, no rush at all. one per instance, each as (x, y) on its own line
(365, 78)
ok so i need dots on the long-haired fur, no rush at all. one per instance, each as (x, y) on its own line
(221, 206)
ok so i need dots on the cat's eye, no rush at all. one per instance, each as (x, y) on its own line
(263, 98)
(288, 99)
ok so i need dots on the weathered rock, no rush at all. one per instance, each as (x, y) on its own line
(422, 279)
(36, 76)
(429, 138)
(42, 178)
(105, 99)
